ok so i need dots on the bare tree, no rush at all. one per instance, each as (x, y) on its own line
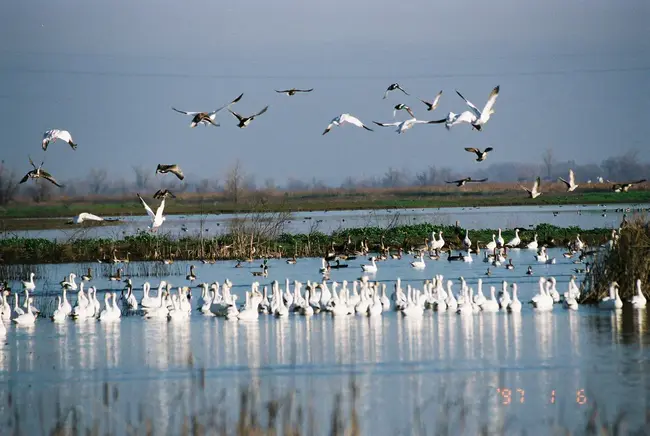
(269, 184)
(427, 177)
(142, 177)
(8, 184)
(97, 181)
(41, 191)
(234, 184)
(393, 178)
(548, 159)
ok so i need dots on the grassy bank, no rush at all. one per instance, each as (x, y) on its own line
(267, 240)
(334, 199)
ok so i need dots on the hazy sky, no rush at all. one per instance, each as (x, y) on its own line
(574, 76)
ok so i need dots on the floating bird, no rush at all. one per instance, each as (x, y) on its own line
(454, 119)
(174, 169)
(462, 182)
(402, 106)
(156, 218)
(293, 91)
(481, 155)
(245, 121)
(534, 192)
(571, 184)
(85, 216)
(345, 118)
(434, 104)
(162, 194)
(206, 118)
(39, 173)
(402, 126)
(393, 87)
(624, 187)
(483, 116)
(54, 134)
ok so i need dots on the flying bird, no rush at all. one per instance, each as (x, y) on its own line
(534, 192)
(156, 218)
(345, 118)
(293, 91)
(462, 182)
(434, 104)
(245, 121)
(206, 118)
(161, 194)
(402, 106)
(393, 87)
(85, 216)
(483, 116)
(481, 155)
(571, 184)
(39, 173)
(403, 126)
(454, 119)
(624, 187)
(54, 134)
(174, 169)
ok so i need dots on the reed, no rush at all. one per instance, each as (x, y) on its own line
(627, 261)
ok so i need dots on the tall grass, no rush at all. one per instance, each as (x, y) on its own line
(627, 261)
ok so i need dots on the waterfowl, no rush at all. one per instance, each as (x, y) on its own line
(624, 187)
(402, 107)
(69, 283)
(54, 134)
(509, 265)
(245, 121)
(393, 87)
(370, 268)
(433, 104)
(293, 260)
(27, 318)
(191, 276)
(529, 271)
(39, 173)
(173, 168)
(85, 216)
(345, 118)
(59, 314)
(117, 277)
(534, 192)
(514, 242)
(403, 126)
(571, 183)
(419, 264)
(462, 182)
(157, 218)
(638, 300)
(263, 273)
(515, 304)
(482, 116)
(480, 155)
(293, 91)
(500, 240)
(464, 117)
(161, 194)
(467, 243)
(613, 301)
(206, 118)
(29, 284)
(533, 244)
(488, 272)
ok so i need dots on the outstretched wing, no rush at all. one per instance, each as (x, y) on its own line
(537, 184)
(388, 124)
(474, 109)
(25, 178)
(186, 113)
(226, 105)
(159, 212)
(491, 100)
(239, 117)
(473, 150)
(489, 149)
(177, 172)
(564, 181)
(638, 182)
(328, 128)
(90, 217)
(260, 112)
(478, 181)
(572, 177)
(304, 90)
(47, 176)
(147, 208)
(436, 100)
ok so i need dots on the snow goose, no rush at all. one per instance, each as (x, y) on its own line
(206, 118)
(245, 121)
(571, 183)
(480, 155)
(54, 134)
(39, 173)
(59, 314)
(482, 116)
(490, 246)
(403, 126)
(393, 87)
(454, 119)
(534, 192)
(293, 91)
(514, 242)
(345, 118)
(491, 304)
(639, 300)
(157, 218)
(433, 104)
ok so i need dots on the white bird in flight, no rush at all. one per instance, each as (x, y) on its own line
(345, 118)
(454, 119)
(535, 192)
(156, 218)
(571, 184)
(483, 116)
(54, 134)
(403, 126)
(85, 216)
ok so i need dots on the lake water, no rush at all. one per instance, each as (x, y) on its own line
(526, 368)
(584, 216)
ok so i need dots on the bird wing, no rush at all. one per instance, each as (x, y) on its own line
(31, 161)
(455, 181)
(401, 89)
(186, 113)
(524, 188)
(304, 90)
(491, 100)
(329, 127)
(397, 123)
(159, 212)
(147, 208)
(408, 109)
(177, 172)
(475, 110)
(638, 182)
(158, 193)
(564, 181)
(49, 178)
(260, 112)
(465, 117)
(352, 120)
(536, 185)
(473, 150)
(226, 105)
(25, 178)
(435, 101)
(572, 177)
(432, 121)
(63, 135)
(487, 150)
(239, 117)
(478, 181)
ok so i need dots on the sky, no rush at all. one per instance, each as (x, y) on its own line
(574, 77)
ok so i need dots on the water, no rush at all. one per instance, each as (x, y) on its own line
(473, 218)
(529, 366)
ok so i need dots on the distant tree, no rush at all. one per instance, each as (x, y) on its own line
(349, 183)
(41, 190)
(393, 178)
(97, 181)
(269, 184)
(548, 158)
(8, 184)
(234, 184)
(296, 185)
(142, 177)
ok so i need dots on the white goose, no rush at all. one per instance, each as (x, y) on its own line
(403, 126)
(534, 192)
(482, 116)
(515, 304)
(490, 246)
(571, 183)
(613, 301)
(419, 264)
(54, 134)
(59, 314)
(157, 218)
(29, 284)
(345, 118)
(107, 314)
(514, 242)
(455, 119)
(533, 244)
(500, 240)
(26, 318)
(639, 300)
(466, 241)
(85, 216)
(370, 268)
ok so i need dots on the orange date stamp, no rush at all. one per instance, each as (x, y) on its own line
(518, 396)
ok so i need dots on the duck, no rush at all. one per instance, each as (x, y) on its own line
(638, 300)
(529, 271)
(191, 276)
(244, 121)
(117, 277)
(87, 277)
(509, 265)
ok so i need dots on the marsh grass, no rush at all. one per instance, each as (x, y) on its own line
(627, 261)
